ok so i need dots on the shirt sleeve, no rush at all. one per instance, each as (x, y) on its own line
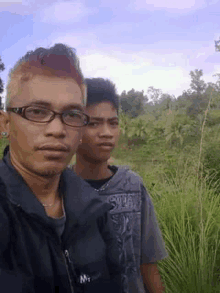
(152, 243)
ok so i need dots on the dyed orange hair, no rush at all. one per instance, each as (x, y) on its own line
(57, 61)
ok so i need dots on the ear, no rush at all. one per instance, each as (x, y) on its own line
(4, 122)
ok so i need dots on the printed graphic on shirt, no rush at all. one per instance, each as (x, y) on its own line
(126, 216)
(125, 203)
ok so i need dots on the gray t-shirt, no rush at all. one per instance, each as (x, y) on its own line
(58, 224)
(135, 223)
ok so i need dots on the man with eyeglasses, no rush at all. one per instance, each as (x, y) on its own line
(55, 232)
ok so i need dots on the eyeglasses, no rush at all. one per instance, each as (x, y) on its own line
(74, 118)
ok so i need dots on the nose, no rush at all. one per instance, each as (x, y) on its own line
(56, 127)
(105, 130)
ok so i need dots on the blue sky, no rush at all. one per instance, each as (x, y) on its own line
(136, 44)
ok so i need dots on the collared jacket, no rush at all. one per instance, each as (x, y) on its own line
(34, 259)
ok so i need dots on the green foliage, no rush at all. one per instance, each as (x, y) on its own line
(154, 94)
(213, 117)
(3, 143)
(211, 162)
(197, 84)
(132, 102)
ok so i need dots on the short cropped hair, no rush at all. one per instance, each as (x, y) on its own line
(59, 60)
(101, 90)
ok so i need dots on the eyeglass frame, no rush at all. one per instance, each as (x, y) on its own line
(21, 111)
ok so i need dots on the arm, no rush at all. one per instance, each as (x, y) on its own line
(153, 246)
(151, 278)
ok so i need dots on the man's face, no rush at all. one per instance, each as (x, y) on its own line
(101, 135)
(28, 137)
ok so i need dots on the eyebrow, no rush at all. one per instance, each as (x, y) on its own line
(102, 119)
(47, 104)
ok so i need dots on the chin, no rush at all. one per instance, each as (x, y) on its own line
(50, 170)
(103, 158)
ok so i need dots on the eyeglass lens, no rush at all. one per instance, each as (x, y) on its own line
(71, 117)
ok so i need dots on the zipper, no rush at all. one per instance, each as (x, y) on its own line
(67, 263)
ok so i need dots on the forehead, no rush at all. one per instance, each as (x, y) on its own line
(102, 110)
(58, 92)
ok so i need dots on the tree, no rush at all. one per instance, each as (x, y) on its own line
(197, 85)
(2, 67)
(218, 81)
(217, 45)
(132, 102)
(154, 94)
(166, 101)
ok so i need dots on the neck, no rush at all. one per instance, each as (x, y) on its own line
(45, 189)
(91, 170)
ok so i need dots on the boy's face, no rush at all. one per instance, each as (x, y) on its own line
(101, 135)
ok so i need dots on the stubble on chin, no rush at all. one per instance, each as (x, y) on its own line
(49, 173)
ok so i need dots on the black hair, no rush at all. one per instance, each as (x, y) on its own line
(101, 90)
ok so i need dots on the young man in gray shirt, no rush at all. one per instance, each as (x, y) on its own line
(138, 234)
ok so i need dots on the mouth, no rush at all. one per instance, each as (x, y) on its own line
(107, 146)
(55, 151)
(54, 148)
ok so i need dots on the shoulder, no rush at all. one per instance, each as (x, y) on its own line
(77, 184)
(130, 177)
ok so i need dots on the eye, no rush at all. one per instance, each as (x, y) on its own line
(74, 114)
(93, 124)
(114, 123)
(32, 111)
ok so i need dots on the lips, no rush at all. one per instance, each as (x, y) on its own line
(106, 144)
(55, 148)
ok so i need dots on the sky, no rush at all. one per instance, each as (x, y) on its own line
(136, 44)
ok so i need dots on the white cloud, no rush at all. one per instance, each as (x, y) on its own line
(65, 12)
(137, 74)
(162, 69)
(169, 5)
(200, 54)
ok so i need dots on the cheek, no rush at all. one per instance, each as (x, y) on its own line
(21, 136)
(88, 137)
